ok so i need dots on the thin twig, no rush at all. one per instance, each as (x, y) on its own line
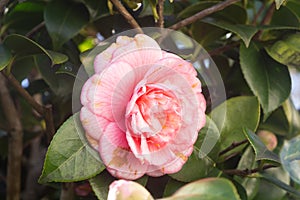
(15, 142)
(247, 172)
(222, 49)
(232, 146)
(258, 14)
(127, 15)
(35, 29)
(202, 14)
(266, 20)
(45, 111)
(160, 22)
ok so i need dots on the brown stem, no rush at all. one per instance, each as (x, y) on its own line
(247, 172)
(258, 14)
(222, 49)
(202, 14)
(15, 142)
(35, 29)
(266, 20)
(127, 15)
(45, 111)
(160, 22)
(232, 146)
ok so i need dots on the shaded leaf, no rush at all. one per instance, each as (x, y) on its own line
(247, 161)
(260, 149)
(23, 46)
(293, 118)
(23, 17)
(207, 189)
(172, 186)
(294, 6)
(245, 32)
(5, 57)
(285, 17)
(69, 156)
(290, 158)
(286, 51)
(268, 80)
(279, 183)
(232, 116)
(64, 20)
(100, 184)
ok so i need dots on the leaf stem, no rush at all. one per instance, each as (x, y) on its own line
(35, 29)
(160, 22)
(202, 14)
(247, 172)
(127, 15)
(15, 142)
(232, 146)
(45, 111)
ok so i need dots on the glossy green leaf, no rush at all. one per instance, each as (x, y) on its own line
(245, 32)
(23, 17)
(294, 6)
(64, 20)
(69, 156)
(260, 149)
(293, 118)
(286, 51)
(207, 189)
(285, 17)
(5, 57)
(268, 80)
(23, 46)
(279, 181)
(279, 3)
(232, 116)
(247, 161)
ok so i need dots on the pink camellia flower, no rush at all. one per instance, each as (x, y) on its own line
(125, 190)
(142, 109)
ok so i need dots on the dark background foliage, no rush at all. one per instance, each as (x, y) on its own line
(254, 43)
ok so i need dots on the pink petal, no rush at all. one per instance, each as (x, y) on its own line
(94, 125)
(138, 51)
(97, 93)
(119, 160)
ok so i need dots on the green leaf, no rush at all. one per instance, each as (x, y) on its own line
(279, 183)
(100, 184)
(23, 46)
(294, 6)
(69, 156)
(260, 149)
(172, 186)
(245, 32)
(96, 8)
(268, 80)
(293, 118)
(232, 116)
(286, 51)
(64, 20)
(290, 157)
(279, 3)
(285, 17)
(5, 57)
(247, 161)
(207, 189)
(23, 17)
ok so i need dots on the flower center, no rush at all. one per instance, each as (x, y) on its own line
(153, 118)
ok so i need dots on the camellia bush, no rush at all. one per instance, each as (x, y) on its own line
(149, 99)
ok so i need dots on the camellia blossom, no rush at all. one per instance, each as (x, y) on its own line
(142, 109)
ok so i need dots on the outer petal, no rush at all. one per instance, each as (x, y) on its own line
(93, 125)
(138, 51)
(98, 91)
(117, 157)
